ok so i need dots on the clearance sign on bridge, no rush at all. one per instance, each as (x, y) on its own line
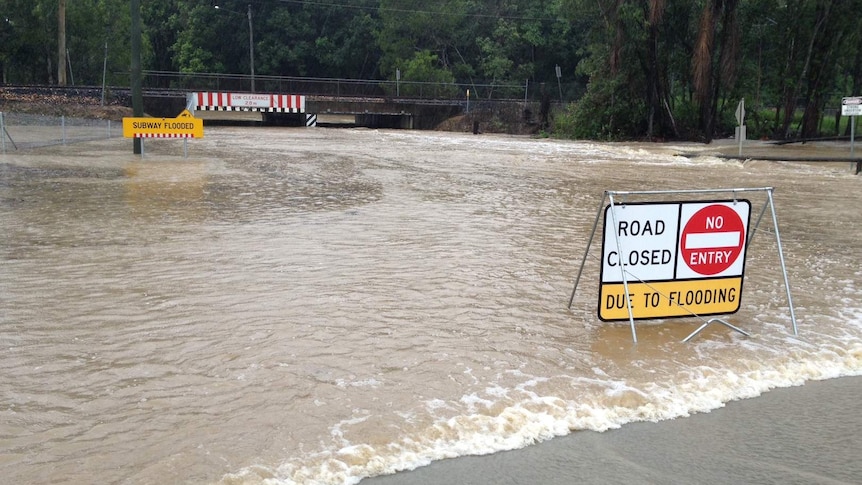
(677, 259)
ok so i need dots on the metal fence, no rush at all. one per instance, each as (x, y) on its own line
(487, 91)
(22, 131)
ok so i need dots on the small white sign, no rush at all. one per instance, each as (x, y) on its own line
(851, 106)
(251, 100)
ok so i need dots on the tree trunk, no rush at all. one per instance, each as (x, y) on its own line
(790, 102)
(702, 67)
(821, 59)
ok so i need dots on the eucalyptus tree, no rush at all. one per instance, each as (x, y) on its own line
(29, 47)
(527, 40)
(821, 37)
(715, 59)
(161, 27)
(428, 40)
(98, 38)
(637, 58)
(29, 41)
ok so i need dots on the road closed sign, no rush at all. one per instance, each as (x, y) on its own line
(678, 259)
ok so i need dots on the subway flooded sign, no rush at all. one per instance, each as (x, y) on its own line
(678, 259)
(183, 126)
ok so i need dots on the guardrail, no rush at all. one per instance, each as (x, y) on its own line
(201, 81)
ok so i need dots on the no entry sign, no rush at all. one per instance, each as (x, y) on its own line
(677, 259)
(712, 240)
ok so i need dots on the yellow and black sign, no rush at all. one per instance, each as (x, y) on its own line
(183, 126)
(667, 299)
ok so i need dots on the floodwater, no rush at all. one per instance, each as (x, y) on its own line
(320, 306)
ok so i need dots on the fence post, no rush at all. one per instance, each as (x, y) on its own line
(63, 125)
(2, 134)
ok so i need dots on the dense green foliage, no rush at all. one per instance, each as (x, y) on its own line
(629, 68)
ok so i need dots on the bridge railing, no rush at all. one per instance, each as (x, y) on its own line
(340, 87)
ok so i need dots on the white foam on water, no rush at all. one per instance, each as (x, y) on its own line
(507, 419)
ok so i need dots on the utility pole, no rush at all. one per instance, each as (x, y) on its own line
(251, 47)
(104, 72)
(250, 39)
(559, 86)
(61, 43)
(137, 96)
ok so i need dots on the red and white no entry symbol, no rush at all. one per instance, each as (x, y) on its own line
(712, 239)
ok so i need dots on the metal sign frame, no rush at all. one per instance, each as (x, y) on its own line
(851, 106)
(610, 195)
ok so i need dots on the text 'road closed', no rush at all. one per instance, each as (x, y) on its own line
(677, 258)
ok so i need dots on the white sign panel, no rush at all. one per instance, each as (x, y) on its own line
(647, 236)
(249, 100)
(851, 106)
(674, 240)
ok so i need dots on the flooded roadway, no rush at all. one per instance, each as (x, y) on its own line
(318, 306)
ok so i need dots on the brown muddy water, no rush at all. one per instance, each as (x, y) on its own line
(321, 306)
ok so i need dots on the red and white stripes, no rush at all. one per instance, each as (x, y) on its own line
(163, 135)
(222, 101)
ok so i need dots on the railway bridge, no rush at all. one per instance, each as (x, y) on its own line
(308, 110)
(371, 103)
(280, 100)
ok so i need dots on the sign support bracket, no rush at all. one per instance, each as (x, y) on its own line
(587, 251)
(715, 320)
(623, 268)
(768, 204)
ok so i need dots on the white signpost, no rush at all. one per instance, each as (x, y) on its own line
(852, 107)
(740, 121)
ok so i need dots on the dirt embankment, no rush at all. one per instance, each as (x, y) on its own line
(62, 103)
(515, 119)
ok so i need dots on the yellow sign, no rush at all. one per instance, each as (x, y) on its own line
(665, 299)
(183, 126)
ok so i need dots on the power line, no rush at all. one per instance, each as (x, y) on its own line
(323, 3)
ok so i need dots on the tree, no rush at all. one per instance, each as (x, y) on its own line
(30, 55)
(629, 57)
(414, 26)
(715, 59)
(91, 26)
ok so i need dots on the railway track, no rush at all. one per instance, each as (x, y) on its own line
(120, 93)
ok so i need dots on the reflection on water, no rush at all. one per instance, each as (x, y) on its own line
(326, 305)
(154, 188)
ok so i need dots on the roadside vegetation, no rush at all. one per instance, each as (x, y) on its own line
(613, 69)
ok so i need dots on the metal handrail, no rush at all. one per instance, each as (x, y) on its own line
(478, 91)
